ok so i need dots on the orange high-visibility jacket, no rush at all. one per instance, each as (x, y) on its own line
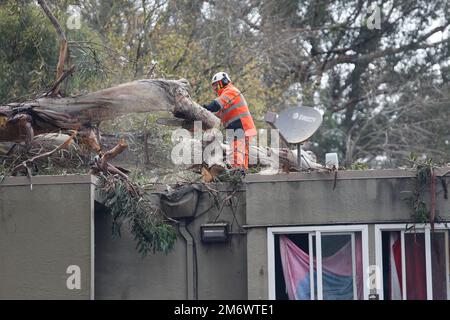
(234, 107)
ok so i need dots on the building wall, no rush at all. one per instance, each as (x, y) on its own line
(220, 268)
(47, 229)
(308, 199)
(121, 273)
(43, 231)
(257, 264)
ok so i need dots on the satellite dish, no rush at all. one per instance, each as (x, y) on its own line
(298, 124)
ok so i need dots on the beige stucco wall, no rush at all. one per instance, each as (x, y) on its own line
(310, 199)
(43, 231)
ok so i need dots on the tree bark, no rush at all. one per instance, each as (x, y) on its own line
(63, 48)
(50, 114)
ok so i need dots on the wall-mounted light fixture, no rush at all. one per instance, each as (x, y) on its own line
(214, 232)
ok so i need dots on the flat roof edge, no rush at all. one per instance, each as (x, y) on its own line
(341, 175)
(250, 178)
(49, 180)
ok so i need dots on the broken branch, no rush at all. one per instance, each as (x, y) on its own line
(24, 165)
(53, 89)
(118, 149)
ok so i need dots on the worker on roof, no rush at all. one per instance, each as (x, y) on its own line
(233, 111)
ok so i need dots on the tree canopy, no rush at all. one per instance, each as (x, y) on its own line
(382, 84)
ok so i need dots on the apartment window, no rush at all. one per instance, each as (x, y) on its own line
(414, 262)
(317, 263)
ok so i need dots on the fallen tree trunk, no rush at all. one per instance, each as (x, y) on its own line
(50, 114)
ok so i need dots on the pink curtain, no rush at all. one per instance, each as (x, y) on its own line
(295, 263)
(335, 269)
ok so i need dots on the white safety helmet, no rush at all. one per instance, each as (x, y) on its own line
(221, 76)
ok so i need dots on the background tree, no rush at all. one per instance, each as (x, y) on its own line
(383, 91)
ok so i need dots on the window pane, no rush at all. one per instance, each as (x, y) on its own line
(314, 261)
(416, 285)
(359, 266)
(337, 267)
(294, 262)
(392, 265)
(296, 266)
(438, 265)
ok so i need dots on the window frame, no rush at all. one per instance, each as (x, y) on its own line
(402, 228)
(317, 230)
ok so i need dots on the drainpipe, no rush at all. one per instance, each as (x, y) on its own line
(189, 260)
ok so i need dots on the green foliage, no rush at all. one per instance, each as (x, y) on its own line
(420, 210)
(359, 166)
(62, 162)
(295, 52)
(128, 203)
(28, 51)
(3, 171)
(133, 127)
(233, 176)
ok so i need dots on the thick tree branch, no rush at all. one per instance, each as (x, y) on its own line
(354, 58)
(63, 52)
(54, 114)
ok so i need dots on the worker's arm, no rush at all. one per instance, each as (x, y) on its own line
(214, 106)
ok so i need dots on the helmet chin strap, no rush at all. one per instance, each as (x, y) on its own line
(219, 86)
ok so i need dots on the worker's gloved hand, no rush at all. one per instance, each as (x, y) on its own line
(214, 106)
